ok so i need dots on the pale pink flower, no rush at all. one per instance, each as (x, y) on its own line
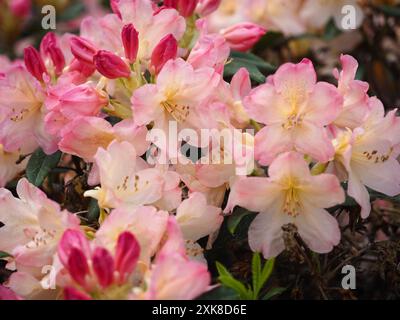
(125, 178)
(179, 89)
(22, 113)
(289, 195)
(211, 49)
(85, 135)
(33, 225)
(295, 108)
(368, 156)
(196, 218)
(173, 276)
(146, 222)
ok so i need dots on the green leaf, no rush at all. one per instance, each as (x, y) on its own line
(274, 292)
(266, 272)
(226, 278)
(252, 63)
(40, 165)
(93, 210)
(331, 31)
(4, 255)
(256, 273)
(235, 219)
(72, 11)
(220, 293)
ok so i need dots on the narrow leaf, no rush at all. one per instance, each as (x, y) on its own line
(273, 292)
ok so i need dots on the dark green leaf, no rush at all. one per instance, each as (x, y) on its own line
(256, 273)
(273, 292)
(220, 293)
(40, 165)
(93, 211)
(266, 272)
(4, 255)
(235, 218)
(390, 10)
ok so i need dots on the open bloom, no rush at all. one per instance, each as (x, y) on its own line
(22, 113)
(368, 156)
(295, 108)
(84, 135)
(127, 179)
(179, 89)
(33, 225)
(290, 195)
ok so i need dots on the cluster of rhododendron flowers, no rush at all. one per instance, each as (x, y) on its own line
(100, 95)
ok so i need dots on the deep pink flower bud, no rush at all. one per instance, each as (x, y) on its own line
(69, 240)
(49, 48)
(165, 50)
(126, 254)
(206, 7)
(82, 49)
(103, 266)
(77, 266)
(34, 63)
(130, 40)
(85, 69)
(74, 294)
(110, 65)
(184, 7)
(243, 36)
(20, 8)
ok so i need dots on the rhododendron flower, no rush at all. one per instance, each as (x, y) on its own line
(295, 108)
(126, 218)
(150, 24)
(196, 218)
(85, 135)
(33, 225)
(354, 92)
(125, 178)
(66, 101)
(22, 113)
(179, 89)
(173, 276)
(289, 195)
(368, 156)
(98, 272)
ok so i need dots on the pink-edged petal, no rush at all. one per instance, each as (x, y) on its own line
(196, 218)
(317, 191)
(289, 164)
(314, 141)
(319, 230)
(270, 141)
(146, 105)
(265, 232)
(324, 104)
(253, 193)
(359, 192)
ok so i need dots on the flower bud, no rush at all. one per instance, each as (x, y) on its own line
(243, 36)
(110, 65)
(20, 8)
(82, 49)
(130, 40)
(77, 266)
(103, 266)
(165, 50)
(49, 48)
(71, 293)
(206, 7)
(34, 63)
(126, 254)
(184, 7)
